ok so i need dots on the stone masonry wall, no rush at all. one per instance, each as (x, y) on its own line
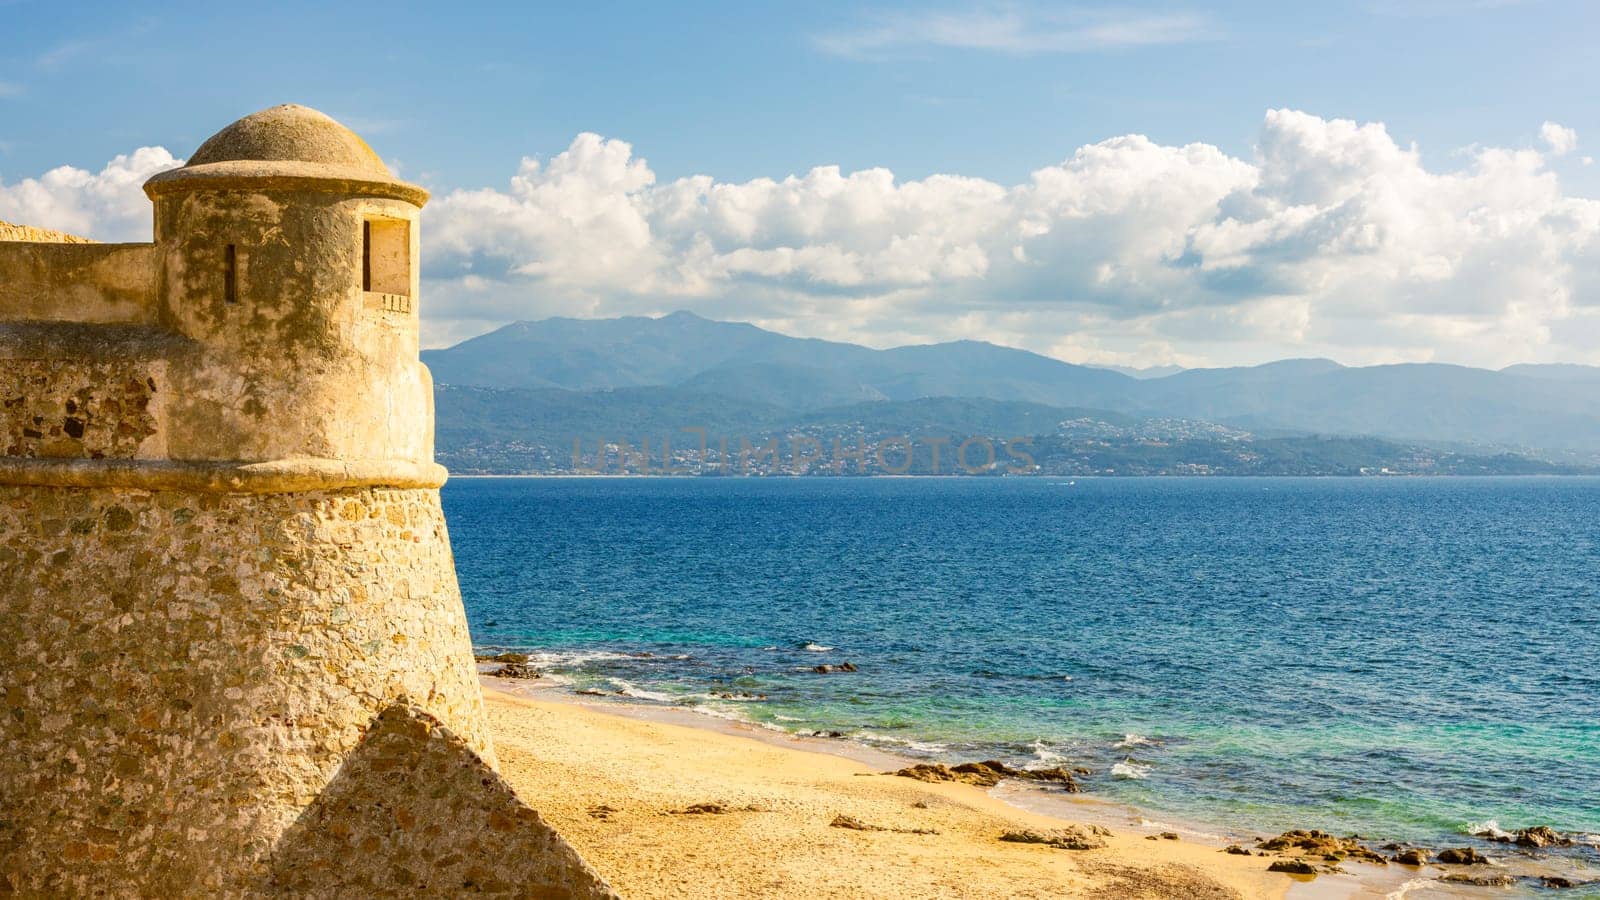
(70, 408)
(186, 672)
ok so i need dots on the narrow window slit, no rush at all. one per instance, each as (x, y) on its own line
(230, 275)
(366, 256)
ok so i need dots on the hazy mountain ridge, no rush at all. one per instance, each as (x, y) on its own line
(688, 359)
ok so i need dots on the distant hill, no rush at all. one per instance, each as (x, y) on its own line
(741, 360)
(749, 377)
(1428, 402)
(1555, 371)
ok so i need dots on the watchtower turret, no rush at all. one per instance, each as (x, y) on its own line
(288, 251)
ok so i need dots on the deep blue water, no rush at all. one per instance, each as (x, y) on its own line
(1394, 657)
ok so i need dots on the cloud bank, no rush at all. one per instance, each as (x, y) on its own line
(108, 205)
(1331, 239)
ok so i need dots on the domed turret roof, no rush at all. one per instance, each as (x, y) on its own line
(287, 146)
(289, 133)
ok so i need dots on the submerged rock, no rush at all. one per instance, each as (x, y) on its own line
(507, 657)
(1483, 879)
(516, 670)
(1072, 837)
(1461, 856)
(829, 669)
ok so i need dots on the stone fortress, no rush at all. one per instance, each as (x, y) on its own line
(235, 660)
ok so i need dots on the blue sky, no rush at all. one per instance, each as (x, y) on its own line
(456, 96)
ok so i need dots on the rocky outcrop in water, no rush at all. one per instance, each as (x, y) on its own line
(518, 671)
(1414, 856)
(1537, 837)
(507, 657)
(1323, 844)
(988, 774)
(1461, 856)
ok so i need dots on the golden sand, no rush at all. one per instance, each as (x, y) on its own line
(621, 790)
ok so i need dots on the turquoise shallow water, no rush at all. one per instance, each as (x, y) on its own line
(1399, 658)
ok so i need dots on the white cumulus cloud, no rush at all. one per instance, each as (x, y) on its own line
(108, 205)
(1559, 138)
(1331, 238)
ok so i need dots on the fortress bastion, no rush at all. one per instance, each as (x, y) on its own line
(235, 659)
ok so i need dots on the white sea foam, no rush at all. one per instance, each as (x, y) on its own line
(727, 715)
(815, 648)
(546, 658)
(1142, 822)
(1129, 769)
(1044, 754)
(1133, 740)
(1414, 884)
(1489, 828)
(783, 718)
(907, 743)
(627, 689)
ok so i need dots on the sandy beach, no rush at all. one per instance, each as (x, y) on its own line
(625, 791)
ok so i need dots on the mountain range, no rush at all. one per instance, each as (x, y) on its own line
(589, 375)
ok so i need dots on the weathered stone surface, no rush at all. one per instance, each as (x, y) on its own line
(184, 673)
(83, 409)
(222, 553)
(413, 811)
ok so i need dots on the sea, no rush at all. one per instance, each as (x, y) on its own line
(1408, 659)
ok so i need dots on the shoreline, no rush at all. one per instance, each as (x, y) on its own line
(1388, 476)
(1134, 832)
